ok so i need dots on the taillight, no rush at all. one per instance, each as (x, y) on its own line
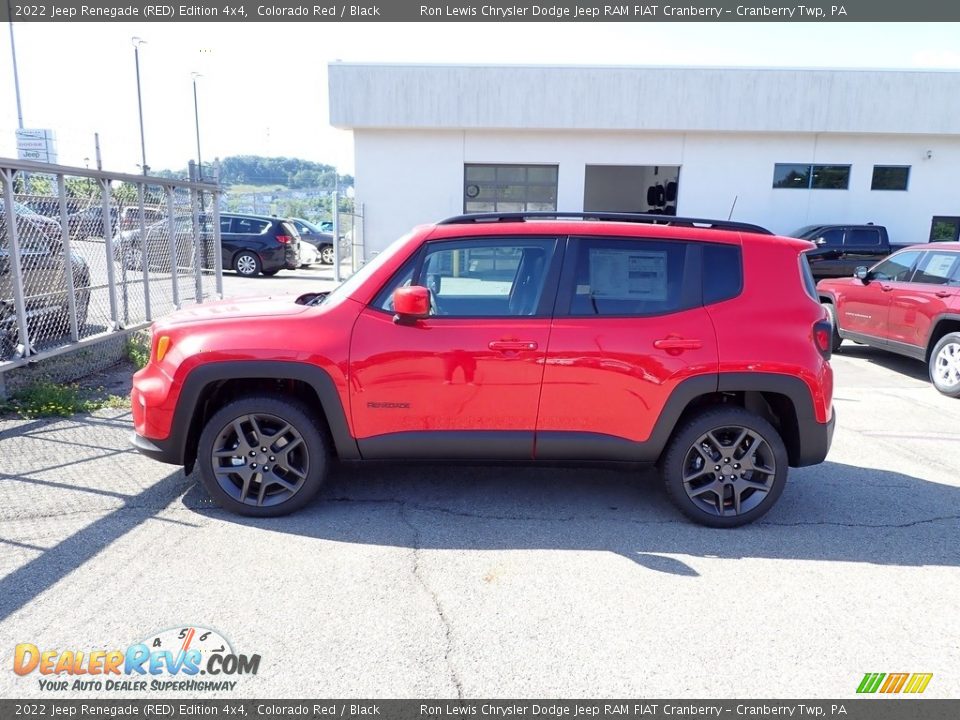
(823, 337)
(285, 239)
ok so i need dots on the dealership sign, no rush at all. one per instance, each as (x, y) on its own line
(36, 144)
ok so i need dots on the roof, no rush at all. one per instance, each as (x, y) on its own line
(541, 97)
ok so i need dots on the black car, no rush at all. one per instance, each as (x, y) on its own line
(317, 237)
(254, 244)
(841, 249)
(250, 244)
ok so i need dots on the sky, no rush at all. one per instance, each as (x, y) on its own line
(264, 85)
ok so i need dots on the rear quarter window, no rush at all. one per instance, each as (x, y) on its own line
(722, 273)
(809, 284)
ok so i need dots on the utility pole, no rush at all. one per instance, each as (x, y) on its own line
(16, 76)
(137, 42)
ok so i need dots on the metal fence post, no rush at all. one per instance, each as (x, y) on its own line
(336, 235)
(13, 258)
(67, 257)
(195, 220)
(108, 249)
(172, 246)
(217, 248)
(144, 256)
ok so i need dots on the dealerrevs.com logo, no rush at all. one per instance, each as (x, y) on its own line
(910, 683)
(193, 659)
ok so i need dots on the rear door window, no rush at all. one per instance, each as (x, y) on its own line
(250, 226)
(937, 268)
(863, 237)
(627, 277)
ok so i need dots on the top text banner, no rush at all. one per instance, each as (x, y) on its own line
(466, 11)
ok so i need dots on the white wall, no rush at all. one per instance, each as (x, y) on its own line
(407, 177)
(643, 98)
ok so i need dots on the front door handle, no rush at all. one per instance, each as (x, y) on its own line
(886, 288)
(512, 345)
(942, 293)
(677, 343)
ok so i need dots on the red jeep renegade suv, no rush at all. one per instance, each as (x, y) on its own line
(698, 345)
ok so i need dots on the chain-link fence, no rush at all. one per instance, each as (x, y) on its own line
(348, 226)
(93, 253)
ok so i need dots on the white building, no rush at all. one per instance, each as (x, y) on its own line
(782, 148)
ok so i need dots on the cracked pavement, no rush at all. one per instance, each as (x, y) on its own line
(492, 581)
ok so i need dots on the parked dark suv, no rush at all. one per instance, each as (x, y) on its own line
(250, 244)
(254, 244)
(698, 345)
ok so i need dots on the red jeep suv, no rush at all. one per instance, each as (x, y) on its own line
(908, 304)
(698, 345)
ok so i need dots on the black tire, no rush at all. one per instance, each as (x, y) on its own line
(944, 365)
(836, 339)
(304, 466)
(247, 264)
(270, 273)
(706, 495)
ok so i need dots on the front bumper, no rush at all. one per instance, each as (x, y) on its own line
(159, 450)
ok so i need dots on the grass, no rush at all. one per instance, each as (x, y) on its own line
(138, 349)
(49, 399)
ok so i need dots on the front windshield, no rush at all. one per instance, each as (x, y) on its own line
(361, 275)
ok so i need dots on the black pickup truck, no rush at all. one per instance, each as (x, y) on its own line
(842, 248)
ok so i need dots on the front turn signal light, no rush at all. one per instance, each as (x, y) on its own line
(163, 344)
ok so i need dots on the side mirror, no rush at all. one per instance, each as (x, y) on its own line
(862, 274)
(411, 303)
(820, 241)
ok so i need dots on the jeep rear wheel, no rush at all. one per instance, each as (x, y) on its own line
(263, 456)
(945, 365)
(725, 467)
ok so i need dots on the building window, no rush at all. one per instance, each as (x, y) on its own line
(890, 177)
(509, 188)
(815, 177)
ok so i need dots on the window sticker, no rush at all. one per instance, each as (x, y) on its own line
(939, 266)
(628, 274)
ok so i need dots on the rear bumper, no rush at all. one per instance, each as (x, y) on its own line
(815, 441)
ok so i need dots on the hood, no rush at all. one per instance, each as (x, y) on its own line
(235, 309)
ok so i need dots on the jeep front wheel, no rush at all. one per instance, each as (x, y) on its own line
(263, 456)
(725, 467)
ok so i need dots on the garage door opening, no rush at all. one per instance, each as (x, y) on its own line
(632, 188)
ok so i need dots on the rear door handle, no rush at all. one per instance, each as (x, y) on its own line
(942, 293)
(675, 343)
(508, 345)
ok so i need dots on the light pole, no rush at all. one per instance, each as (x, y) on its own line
(16, 76)
(196, 120)
(137, 42)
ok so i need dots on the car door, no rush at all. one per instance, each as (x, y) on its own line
(864, 308)
(826, 259)
(915, 305)
(465, 381)
(629, 326)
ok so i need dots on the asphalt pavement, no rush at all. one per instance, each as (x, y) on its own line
(490, 581)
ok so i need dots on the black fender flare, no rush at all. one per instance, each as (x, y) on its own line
(185, 418)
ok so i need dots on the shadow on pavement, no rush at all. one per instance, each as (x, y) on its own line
(41, 573)
(908, 367)
(831, 512)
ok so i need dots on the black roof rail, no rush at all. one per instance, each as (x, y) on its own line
(605, 216)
